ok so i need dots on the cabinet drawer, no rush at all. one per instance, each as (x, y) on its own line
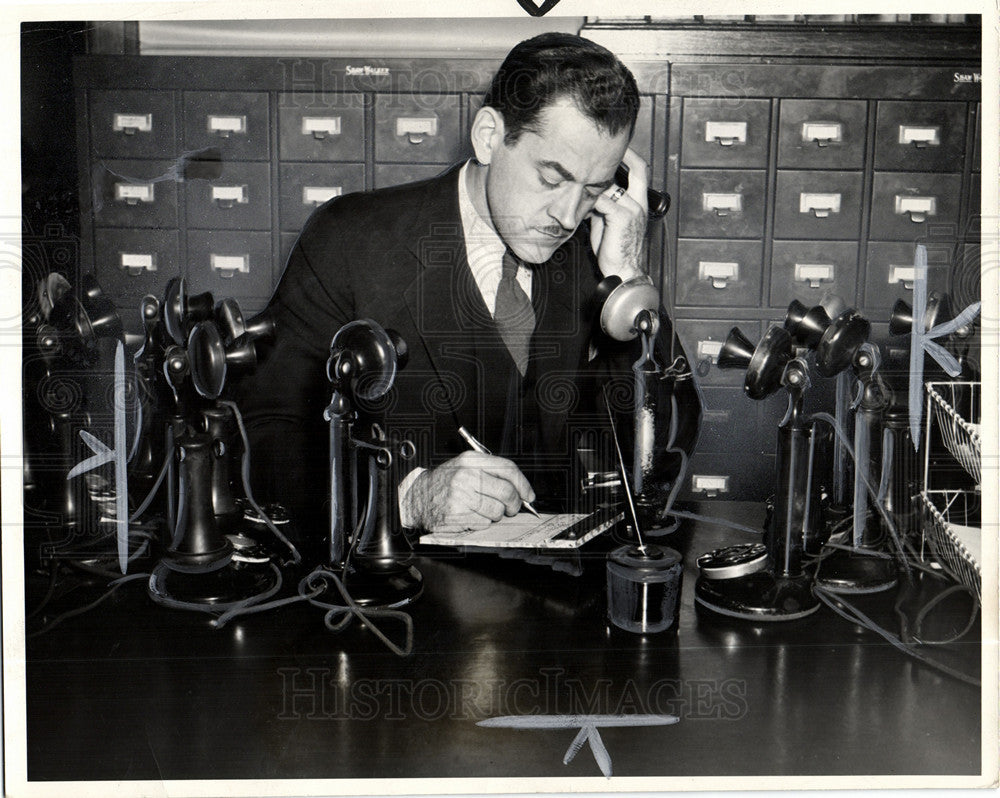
(398, 173)
(285, 241)
(721, 203)
(304, 187)
(132, 263)
(977, 150)
(919, 136)
(889, 271)
(725, 132)
(810, 270)
(818, 205)
(235, 123)
(822, 134)
(728, 421)
(230, 263)
(333, 130)
(718, 272)
(973, 214)
(239, 199)
(905, 205)
(134, 194)
(422, 129)
(742, 476)
(642, 138)
(702, 340)
(133, 124)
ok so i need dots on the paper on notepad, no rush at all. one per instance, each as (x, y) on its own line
(524, 531)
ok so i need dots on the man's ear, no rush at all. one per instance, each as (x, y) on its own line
(487, 133)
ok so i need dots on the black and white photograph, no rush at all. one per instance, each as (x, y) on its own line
(537, 398)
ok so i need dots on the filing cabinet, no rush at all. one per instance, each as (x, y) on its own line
(725, 131)
(718, 272)
(234, 123)
(811, 270)
(703, 339)
(729, 415)
(920, 136)
(793, 175)
(238, 199)
(818, 204)
(977, 147)
(719, 476)
(905, 203)
(330, 129)
(393, 174)
(822, 134)
(890, 271)
(721, 203)
(134, 193)
(133, 124)
(132, 263)
(859, 163)
(418, 128)
(306, 186)
(231, 264)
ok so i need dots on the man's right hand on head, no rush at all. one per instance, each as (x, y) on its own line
(468, 492)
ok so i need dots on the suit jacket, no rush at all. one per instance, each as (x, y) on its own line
(397, 256)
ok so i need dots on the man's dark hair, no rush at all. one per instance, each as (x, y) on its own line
(549, 67)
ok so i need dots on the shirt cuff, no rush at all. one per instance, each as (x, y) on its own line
(404, 488)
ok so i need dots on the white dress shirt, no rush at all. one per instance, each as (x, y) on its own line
(484, 250)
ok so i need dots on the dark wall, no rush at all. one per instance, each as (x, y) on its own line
(49, 182)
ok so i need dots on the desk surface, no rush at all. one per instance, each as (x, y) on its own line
(135, 691)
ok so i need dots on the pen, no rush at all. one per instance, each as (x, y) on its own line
(477, 446)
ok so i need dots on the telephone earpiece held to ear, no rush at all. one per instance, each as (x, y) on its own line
(658, 202)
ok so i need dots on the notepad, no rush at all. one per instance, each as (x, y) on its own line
(525, 531)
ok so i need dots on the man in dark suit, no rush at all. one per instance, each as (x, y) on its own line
(487, 273)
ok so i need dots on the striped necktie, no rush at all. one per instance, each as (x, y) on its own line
(514, 315)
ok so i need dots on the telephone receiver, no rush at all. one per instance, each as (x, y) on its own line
(658, 202)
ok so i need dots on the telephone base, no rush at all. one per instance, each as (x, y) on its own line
(851, 572)
(761, 596)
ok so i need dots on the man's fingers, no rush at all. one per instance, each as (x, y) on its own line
(625, 205)
(500, 490)
(490, 507)
(638, 176)
(506, 470)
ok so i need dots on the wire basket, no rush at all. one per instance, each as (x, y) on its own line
(956, 407)
(952, 537)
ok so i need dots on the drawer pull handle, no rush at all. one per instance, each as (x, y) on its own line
(709, 351)
(822, 133)
(815, 274)
(228, 265)
(904, 275)
(130, 124)
(226, 126)
(722, 204)
(920, 137)
(917, 208)
(134, 193)
(228, 196)
(319, 127)
(718, 273)
(416, 129)
(819, 205)
(317, 195)
(136, 264)
(726, 134)
(710, 484)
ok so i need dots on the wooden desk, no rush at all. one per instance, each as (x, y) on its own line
(135, 691)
